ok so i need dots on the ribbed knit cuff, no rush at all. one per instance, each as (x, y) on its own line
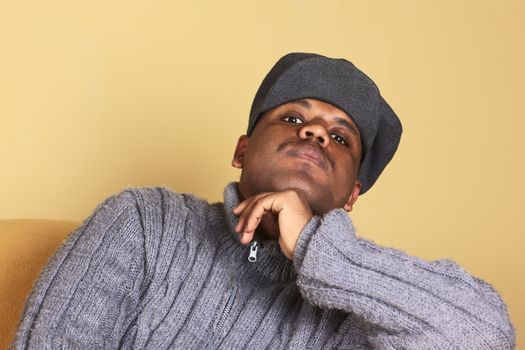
(304, 238)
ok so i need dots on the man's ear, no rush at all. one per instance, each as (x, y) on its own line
(238, 156)
(353, 196)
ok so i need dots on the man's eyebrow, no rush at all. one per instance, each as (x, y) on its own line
(304, 103)
(347, 125)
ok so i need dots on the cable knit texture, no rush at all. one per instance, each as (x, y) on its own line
(153, 269)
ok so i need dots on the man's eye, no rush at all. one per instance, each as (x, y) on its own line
(338, 139)
(292, 120)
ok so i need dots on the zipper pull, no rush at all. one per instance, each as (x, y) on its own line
(253, 251)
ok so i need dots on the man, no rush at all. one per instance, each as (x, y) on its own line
(277, 265)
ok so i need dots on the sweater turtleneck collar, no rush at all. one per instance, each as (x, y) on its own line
(271, 262)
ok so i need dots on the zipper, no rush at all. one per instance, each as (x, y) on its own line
(254, 246)
(224, 314)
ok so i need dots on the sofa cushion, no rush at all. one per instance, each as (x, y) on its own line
(25, 247)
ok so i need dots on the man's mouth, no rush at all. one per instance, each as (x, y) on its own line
(309, 153)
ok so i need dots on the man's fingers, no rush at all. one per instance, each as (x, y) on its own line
(241, 210)
(252, 214)
(246, 237)
(243, 216)
(244, 210)
(290, 207)
(240, 207)
(257, 210)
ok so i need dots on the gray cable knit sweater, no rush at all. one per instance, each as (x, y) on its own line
(152, 269)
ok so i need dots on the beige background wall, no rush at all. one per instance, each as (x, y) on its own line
(96, 96)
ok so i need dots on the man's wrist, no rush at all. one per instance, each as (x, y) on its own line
(304, 239)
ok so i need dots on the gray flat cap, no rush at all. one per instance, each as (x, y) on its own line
(340, 83)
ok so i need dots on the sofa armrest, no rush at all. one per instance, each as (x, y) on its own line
(25, 247)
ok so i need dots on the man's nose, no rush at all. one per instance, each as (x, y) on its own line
(315, 131)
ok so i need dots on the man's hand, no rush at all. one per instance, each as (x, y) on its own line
(291, 209)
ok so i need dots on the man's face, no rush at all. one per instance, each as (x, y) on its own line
(305, 144)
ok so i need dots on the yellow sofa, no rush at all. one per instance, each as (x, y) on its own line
(25, 247)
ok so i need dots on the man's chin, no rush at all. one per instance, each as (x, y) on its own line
(303, 182)
(313, 184)
(314, 191)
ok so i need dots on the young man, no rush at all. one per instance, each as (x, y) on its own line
(277, 265)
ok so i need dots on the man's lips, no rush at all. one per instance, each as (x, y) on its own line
(309, 153)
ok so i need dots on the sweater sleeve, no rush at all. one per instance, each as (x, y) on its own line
(84, 295)
(405, 302)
